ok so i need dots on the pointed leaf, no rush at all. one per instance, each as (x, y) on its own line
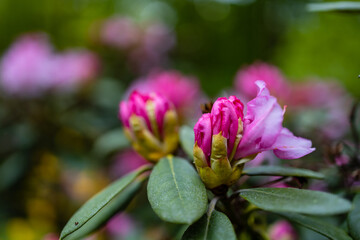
(103, 205)
(354, 218)
(176, 192)
(187, 140)
(282, 171)
(212, 226)
(324, 228)
(296, 200)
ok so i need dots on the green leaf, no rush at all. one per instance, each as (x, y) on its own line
(212, 226)
(354, 218)
(282, 171)
(187, 140)
(176, 192)
(324, 228)
(334, 7)
(296, 200)
(103, 205)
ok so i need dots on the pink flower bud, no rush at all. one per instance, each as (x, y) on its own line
(282, 230)
(150, 123)
(226, 138)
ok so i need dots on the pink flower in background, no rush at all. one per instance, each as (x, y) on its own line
(30, 68)
(120, 32)
(24, 68)
(73, 69)
(126, 162)
(321, 106)
(120, 225)
(183, 91)
(152, 52)
(282, 230)
(146, 46)
(247, 76)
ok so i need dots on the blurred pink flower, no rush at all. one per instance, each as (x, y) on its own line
(183, 91)
(120, 32)
(120, 225)
(73, 69)
(30, 68)
(126, 162)
(282, 230)
(24, 69)
(327, 101)
(145, 46)
(271, 75)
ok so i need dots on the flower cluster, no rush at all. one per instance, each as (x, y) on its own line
(183, 91)
(146, 47)
(226, 138)
(150, 122)
(30, 67)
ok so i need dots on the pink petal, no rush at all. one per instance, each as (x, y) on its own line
(262, 123)
(288, 146)
(203, 134)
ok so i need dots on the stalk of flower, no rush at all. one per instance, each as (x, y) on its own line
(150, 123)
(226, 138)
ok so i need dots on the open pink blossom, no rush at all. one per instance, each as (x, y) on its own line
(247, 76)
(228, 134)
(282, 230)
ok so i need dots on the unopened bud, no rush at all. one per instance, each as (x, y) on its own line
(150, 122)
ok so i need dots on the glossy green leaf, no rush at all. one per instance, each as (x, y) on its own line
(296, 200)
(344, 6)
(175, 191)
(282, 171)
(103, 205)
(212, 226)
(187, 140)
(354, 218)
(324, 228)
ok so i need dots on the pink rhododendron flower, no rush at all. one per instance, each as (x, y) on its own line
(183, 91)
(73, 68)
(24, 69)
(282, 230)
(151, 124)
(228, 134)
(30, 68)
(322, 107)
(126, 162)
(146, 46)
(247, 76)
(120, 32)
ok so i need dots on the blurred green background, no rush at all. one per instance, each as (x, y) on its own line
(56, 152)
(214, 38)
